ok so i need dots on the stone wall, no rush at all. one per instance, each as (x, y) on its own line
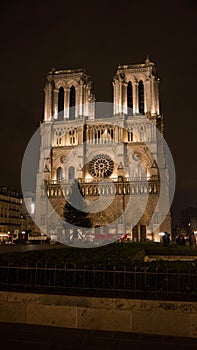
(128, 315)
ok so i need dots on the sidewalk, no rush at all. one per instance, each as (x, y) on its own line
(30, 337)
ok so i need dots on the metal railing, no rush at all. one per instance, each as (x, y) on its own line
(92, 282)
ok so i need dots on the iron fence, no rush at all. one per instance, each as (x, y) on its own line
(92, 282)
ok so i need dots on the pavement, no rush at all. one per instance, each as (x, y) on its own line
(33, 337)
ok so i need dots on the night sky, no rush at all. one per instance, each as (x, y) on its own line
(99, 35)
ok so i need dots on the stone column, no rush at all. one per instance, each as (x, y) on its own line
(55, 103)
(147, 96)
(149, 105)
(66, 102)
(47, 104)
(135, 98)
(77, 101)
(157, 107)
(114, 98)
(153, 110)
(120, 97)
(50, 102)
(46, 92)
(124, 97)
(80, 91)
(88, 102)
(85, 99)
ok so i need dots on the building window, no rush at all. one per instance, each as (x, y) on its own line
(72, 137)
(59, 174)
(130, 96)
(71, 173)
(72, 103)
(61, 104)
(141, 96)
(130, 136)
(101, 166)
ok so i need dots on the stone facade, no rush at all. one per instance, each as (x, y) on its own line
(112, 155)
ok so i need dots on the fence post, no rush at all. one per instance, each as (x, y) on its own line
(45, 278)
(54, 278)
(8, 271)
(104, 277)
(167, 280)
(84, 271)
(114, 277)
(26, 275)
(190, 282)
(156, 280)
(74, 276)
(93, 280)
(145, 279)
(124, 283)
(36, 276)
(135, 268)
(17, 278)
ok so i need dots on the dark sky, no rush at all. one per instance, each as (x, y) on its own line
(99, 35)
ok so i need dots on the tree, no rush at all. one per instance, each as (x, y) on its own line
(75, 209)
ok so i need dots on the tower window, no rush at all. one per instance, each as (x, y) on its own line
(141, 96)
(59, 174)
(72, 103)
(130, 95)
(61, 103)
(72, 137)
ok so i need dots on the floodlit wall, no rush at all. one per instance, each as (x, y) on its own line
(128, 315)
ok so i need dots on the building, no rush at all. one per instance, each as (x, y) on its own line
(10, 214)
(28, 211)
(119, 148)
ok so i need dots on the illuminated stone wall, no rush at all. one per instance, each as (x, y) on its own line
(172, 318)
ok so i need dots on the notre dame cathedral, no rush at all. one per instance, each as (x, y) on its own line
(111, 149)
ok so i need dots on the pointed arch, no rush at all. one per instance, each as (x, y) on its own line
(72, 103)
(59, 174)
(141, 96)
(130, 95)
(61, 103)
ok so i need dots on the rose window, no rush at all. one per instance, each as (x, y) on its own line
(101, 166)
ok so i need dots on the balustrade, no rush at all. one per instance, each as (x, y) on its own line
(107, 189)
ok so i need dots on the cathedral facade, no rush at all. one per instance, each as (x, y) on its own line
(111, 149)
